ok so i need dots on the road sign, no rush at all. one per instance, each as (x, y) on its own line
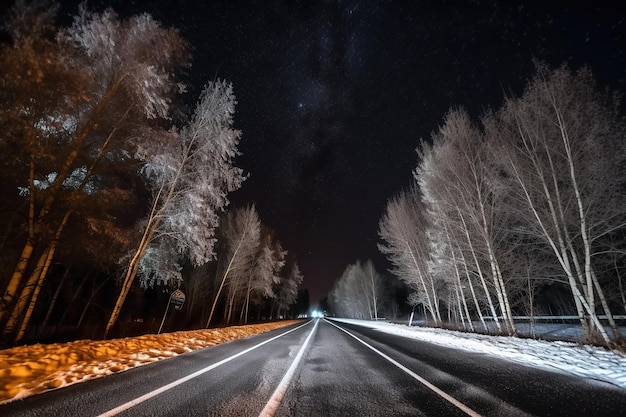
(178, 299)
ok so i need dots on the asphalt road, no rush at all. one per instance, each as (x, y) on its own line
(323, 368)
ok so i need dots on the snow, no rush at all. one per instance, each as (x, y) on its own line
(581, 360)
(29, 370)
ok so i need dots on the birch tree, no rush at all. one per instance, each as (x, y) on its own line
(240, 233)
(268, 265)
(403, 228)
(455, 175)
(374, 287)
(562, 145)
(447, 265)
(190, 174)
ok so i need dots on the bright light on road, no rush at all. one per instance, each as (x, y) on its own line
(317, 314)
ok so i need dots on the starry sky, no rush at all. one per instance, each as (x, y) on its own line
(335, 95)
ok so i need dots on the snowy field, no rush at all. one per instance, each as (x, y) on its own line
(568, 357)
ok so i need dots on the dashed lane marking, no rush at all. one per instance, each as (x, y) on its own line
(274, 402)
(171, 385)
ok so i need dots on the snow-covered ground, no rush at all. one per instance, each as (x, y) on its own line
(581, 360)
(29, 370)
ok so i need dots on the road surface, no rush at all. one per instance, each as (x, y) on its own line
(327, 368)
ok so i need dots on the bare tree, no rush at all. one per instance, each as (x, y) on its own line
(269, 262)
(374, 286)
(561, 144)
(240, 233)
(403, 227)
(455, 176)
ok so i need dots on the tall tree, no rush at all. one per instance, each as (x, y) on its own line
(562, 146)
(190, 174)
(268, 265)
(96, 89)
(455, 175)
(288, 291)
(374, 288)
(346, 297)
(403, 228)
(358, 293)
(240, 233)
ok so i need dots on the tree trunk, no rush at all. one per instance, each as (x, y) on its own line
(10, 293)
(92, 294)
(481, 276)
(219, 291)
(131, 272)
(133, 265)
(54, 300)
(41, 276)
(621, 285)
(244, 309)
(51, 195)
(421, 278)
(71, 303)
(374, 297)
(605, 306)
(469, 282)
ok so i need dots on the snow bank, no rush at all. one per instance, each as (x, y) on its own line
(28, 370)
(581, 360)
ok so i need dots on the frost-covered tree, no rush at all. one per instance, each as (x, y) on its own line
(268, 265)
(403, 228)
(562, 147)
(457, 180)
(534, 195)
(240, 234)
(190, 174)
(346, 297)
(74, 100)
(359, 292)
(287, 293)
(374, 288)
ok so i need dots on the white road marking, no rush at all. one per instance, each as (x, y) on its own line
(438, 391)
(171, 385)
(272, 405)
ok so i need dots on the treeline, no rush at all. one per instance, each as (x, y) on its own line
(530, 197)
(361, 293)
(109, 185)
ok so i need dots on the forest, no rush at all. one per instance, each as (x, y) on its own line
(517, 214)
(115, 193)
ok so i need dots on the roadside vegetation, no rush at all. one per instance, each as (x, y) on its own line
(519, 213)
(114, 191)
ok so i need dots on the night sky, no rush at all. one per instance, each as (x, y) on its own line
(334, 96)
